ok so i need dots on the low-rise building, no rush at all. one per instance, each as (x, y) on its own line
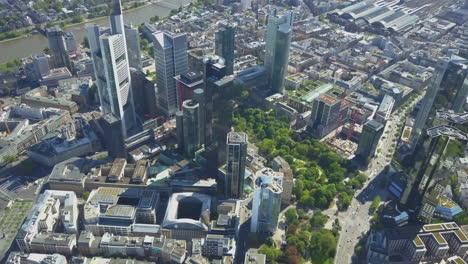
(433, 242)
(51, 208)
(253, 257)
(120, 210)
(187, 215)
(34, 258)
(218, 246)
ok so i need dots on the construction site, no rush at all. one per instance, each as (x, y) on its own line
(345, 138)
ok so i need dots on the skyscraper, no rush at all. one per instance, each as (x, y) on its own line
(133, 46)
(41, 65)
(109, 52)
(70, 41)
(113, 136)
(266, 204)
(190, 123)
(428, 101)
(325, 115)
(144, 93)
(225, 45)
(278, 40)
(187, 83)
(219, 107)
(170, 52)
(58, 47)
(370, 136)
(235, 168)
(460, 98)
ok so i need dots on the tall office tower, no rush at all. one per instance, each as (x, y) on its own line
(235, 167)
(70, 41)
(370, 136)
(191, 124)
(133, 46)
(187, 83)
(144, 93)
(195, 59)
(113, 136)
(41, 64)
(266, 204)
(170, 52)
(219, 107)
(278, 40)
(428, 101)
(460, 98)
(109, 52)
(325, 115)
(225, 45)
(58, 47)
(466, 4)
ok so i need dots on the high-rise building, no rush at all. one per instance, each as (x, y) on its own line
(461, 97)
(370, 136)
(225, 45)
(70, 41)
(281, 165)
(41, 65)
(187, 83)
(133, 46)
(113, 136)
(190, 124)
(235, 168)
(110, 56)
(58, 47)
(278, 41)
(170, 52)
(266, 204)
(325, 115)
(219, 107)
(144, 93)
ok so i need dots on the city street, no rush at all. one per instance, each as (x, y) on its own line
(355, 221)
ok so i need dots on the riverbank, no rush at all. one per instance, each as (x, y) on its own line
(67, 25)
(26, 45)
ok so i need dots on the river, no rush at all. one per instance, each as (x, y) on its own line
(24, 47)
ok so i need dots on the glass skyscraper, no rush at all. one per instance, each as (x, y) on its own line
(278, 40)
(110, 57)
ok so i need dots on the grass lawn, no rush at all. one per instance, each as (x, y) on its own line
(11, 220)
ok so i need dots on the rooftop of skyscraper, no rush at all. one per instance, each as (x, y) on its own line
(237, 137)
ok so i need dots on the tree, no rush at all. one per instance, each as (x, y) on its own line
(9, 158)
(245, 95)
(154, 19)
(375, 204)
(272, 253)
(77, 19)
(291, 215)
(323, 246)
(318, 220)
(85, 196)
(85, 42)
(298, 189)
(292, 255)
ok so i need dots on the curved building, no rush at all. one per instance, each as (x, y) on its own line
(187, 213)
